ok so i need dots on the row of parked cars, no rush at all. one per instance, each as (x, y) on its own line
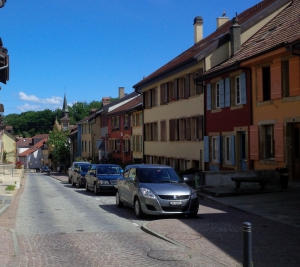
(151, 189)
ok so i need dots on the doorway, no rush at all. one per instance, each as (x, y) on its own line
(296, 151)
(243, 151)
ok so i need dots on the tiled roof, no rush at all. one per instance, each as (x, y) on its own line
(128, 105)
(279, 32)
(33, 148)
(24, 142)
(207, 45)
(86, 119)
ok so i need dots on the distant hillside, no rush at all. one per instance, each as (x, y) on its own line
(30, 123)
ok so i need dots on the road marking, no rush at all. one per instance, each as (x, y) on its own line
(97, 198)
(136, 224)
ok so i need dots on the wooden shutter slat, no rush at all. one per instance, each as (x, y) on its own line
(276, 87)
(279, 142)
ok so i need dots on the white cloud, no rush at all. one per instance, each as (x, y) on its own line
(54, 100)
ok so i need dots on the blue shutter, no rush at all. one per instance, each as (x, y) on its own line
(208, 96)
(206, 148)
(220, 149)
(222, 94)
(227, 92)
(243, 88)
(232, 144)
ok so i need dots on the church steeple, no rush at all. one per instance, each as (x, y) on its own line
(65, 107)
(65, 121)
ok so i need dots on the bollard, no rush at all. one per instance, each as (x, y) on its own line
(247, 245)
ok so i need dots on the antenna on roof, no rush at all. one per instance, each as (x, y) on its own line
(224, 13)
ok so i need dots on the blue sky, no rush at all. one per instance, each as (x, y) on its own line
(88, 49)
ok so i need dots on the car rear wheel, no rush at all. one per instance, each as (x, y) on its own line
(137, 208)
(119, 203)
(95, 190)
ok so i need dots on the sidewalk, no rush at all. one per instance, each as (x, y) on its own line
(9, 178)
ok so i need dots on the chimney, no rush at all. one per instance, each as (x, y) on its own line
(105, 101)
(121, 92)
(235, 36)
(198, 29)
(221, 21)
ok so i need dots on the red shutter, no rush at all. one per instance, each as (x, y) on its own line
(259, 83)
(294, 77)
(276, 80)
(254, 142)
(278, 136)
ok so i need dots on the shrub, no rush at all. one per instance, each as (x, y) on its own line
(10, 188)
(19, 165)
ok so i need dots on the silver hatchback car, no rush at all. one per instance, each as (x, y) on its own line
(155, 190)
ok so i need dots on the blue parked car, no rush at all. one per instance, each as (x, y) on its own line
(103, 177)
(79, 175)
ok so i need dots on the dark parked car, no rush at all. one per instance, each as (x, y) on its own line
(103, 177)
(46, 169)
(79, 175)
(155, 190)
(72, 168)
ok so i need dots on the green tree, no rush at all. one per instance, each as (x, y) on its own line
(58, 143)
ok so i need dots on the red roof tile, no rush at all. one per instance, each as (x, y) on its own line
(33, 148)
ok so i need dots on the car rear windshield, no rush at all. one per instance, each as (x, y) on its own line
(158, 175)
(105, 170)
(84, 168)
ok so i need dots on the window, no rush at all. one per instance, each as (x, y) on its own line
(163, 131)
(285, 71)
(237, 90)
(196, 89)
(126, 145)
(217, 95)
(185, 129)
(215, 150)
(115, 124)
(269, 142)
(151, 131)
(181, 87)
(154, 131)
(150, 98)
(126, 122)
(227, 148)
(173, 129)
(197, 128)
(266, 83)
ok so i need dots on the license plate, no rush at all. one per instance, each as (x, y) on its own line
(175, 203)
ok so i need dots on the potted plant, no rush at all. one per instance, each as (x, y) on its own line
(284, 176)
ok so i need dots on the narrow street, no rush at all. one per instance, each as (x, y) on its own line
(59, 225)
(51, 223)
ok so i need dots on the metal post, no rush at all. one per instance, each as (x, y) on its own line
(247, 245)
